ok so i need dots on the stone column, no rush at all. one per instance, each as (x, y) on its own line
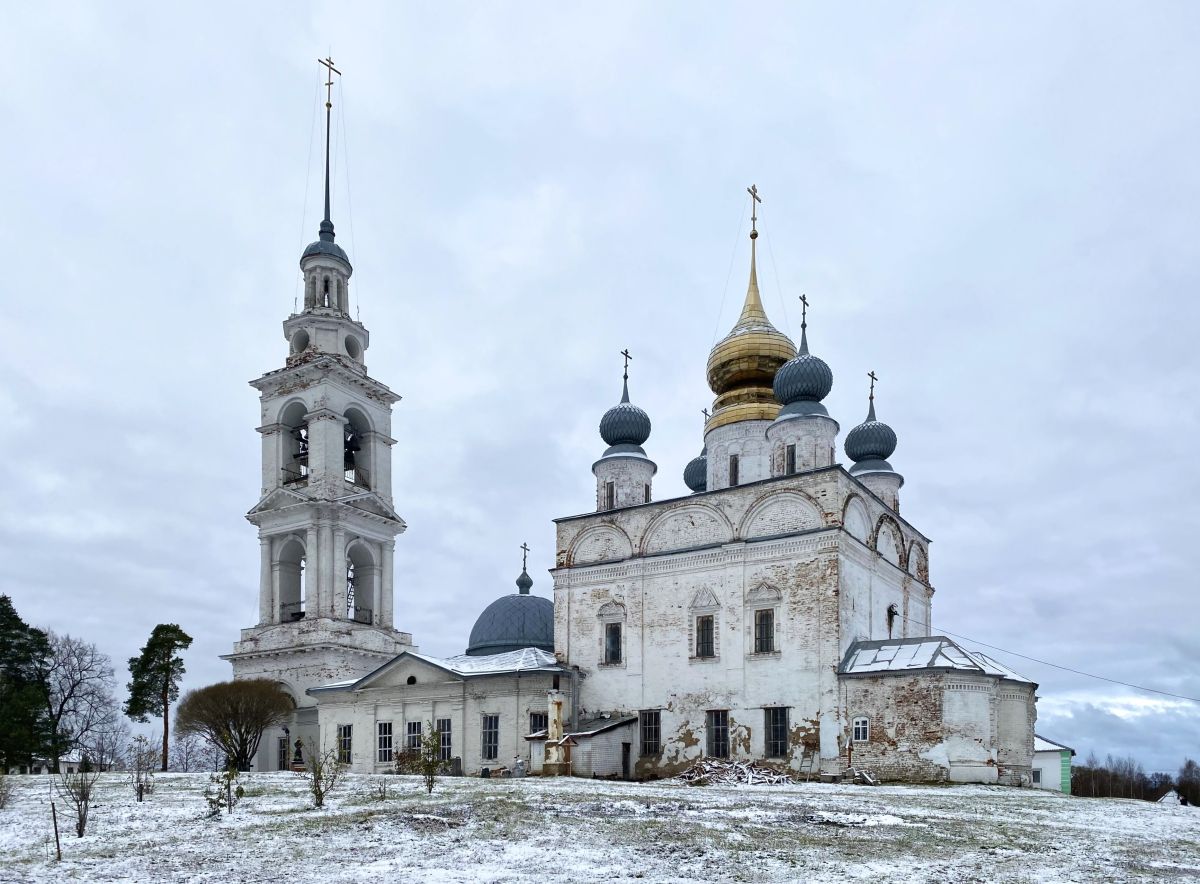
(385, 616)
(324, 569)
(268, 608)
(338, 610)
(312, 563)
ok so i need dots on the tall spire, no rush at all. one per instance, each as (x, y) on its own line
(327, 224)
(625, 382)
(752, 310)
(803, 325)
(871, 408)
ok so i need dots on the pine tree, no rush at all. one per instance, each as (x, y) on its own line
(155, 675)
(25, 728)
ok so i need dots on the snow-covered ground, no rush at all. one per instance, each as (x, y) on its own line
(579, 830)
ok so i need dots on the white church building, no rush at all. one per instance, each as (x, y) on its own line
(780, 612)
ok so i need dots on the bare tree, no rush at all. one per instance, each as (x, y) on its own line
(322, 772)
(107, 745)
(76, 789)
(187, 752)
(79, 691)
(232, 715)
(142, 759)
(6, 789)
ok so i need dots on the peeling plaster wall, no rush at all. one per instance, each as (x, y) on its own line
(942, 727)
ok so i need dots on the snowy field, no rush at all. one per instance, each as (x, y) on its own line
(577, 830)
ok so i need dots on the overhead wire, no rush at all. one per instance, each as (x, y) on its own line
(312, 128)
(729, 273)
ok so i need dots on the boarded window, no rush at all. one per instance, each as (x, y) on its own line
(776, 728)
(650, 722)
(490, 748)
(733, 470)
(705, 639)
(345, 739)
(717, 732)
(443, 728)
(538, 721)
(612, 643)
(790, 460)
(384, 742)
(764, 631)
(862, 730)
(413, 735)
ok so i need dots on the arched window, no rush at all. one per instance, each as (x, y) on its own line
(294, 462)
(362, 584)
(289, 564)
(356, 457)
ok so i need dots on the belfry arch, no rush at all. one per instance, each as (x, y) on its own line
(294, 601)
(362, 583)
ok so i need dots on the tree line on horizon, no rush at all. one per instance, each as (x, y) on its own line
(1126, 778)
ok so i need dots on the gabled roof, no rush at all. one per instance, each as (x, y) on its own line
(590, 727)
(365, 501)
(1041, 744)
(462, 666)
(933, 652)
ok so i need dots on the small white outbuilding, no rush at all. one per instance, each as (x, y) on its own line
(1051, 765)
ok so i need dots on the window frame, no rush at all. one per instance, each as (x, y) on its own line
(489, 737)
(649, 732)
(716, 733)
(345, 743)
(413, 732)
(734, 471)
(1037, 776)
(543, 717)
(384, 754)
(776, 742)
(705, 650)
(610, 495)
(764, 640)
(861, 729)
(614, 653)
(445, 727)
(789, 460)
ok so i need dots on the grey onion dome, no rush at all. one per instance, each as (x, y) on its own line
(513, 622)
(625, 423)
(803, 379)
(695, 474)
(325, 245)
(872, 440)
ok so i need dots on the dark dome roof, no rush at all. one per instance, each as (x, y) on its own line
(871, 440)
(625, 423)
(511, 623)
(325, 246)
(803, 378)
(695, 474)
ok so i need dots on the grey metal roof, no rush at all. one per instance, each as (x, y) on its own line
(625, 423)
(803, 378)
(325, 245)
(871, 440)
(925, 652)
(511, 623)
(695, 474)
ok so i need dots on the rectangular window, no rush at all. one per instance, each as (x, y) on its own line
(790, 457)
(283, 750)
(384, 750)
(1037, 776)
(647, 494)
(412, 735)
(776, 725)
(491, 738)
(610, 496)
(345, 739)
(862, 730)
(443, 727)
(764, 631)
(733, 470)
(705, 644)
(538, 721)
(612, 642)
(650, 724)
(717, 731)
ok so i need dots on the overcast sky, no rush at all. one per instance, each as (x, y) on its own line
(994, 206)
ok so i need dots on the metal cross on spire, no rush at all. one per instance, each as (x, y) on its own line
(328, 63)
(627, 356)
(524, 556)
(874, 378)
(755, 199)
(804, 311)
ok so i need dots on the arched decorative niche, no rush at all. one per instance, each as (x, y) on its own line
(889, 542)
(918, 562)
(780, 512)
(600, 543)
(856, 519)
(686, 527)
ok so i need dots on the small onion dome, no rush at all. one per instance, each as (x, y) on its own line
(803, 382)
(325, 246)
(742, 366)
(870, 444)
(695, 474)
(513, 622)
(625, 423)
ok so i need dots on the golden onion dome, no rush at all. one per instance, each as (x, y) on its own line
(742, 366)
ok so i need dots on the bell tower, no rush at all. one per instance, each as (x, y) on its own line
(325, 517)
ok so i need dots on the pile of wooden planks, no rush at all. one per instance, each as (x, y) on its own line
(718, 772)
